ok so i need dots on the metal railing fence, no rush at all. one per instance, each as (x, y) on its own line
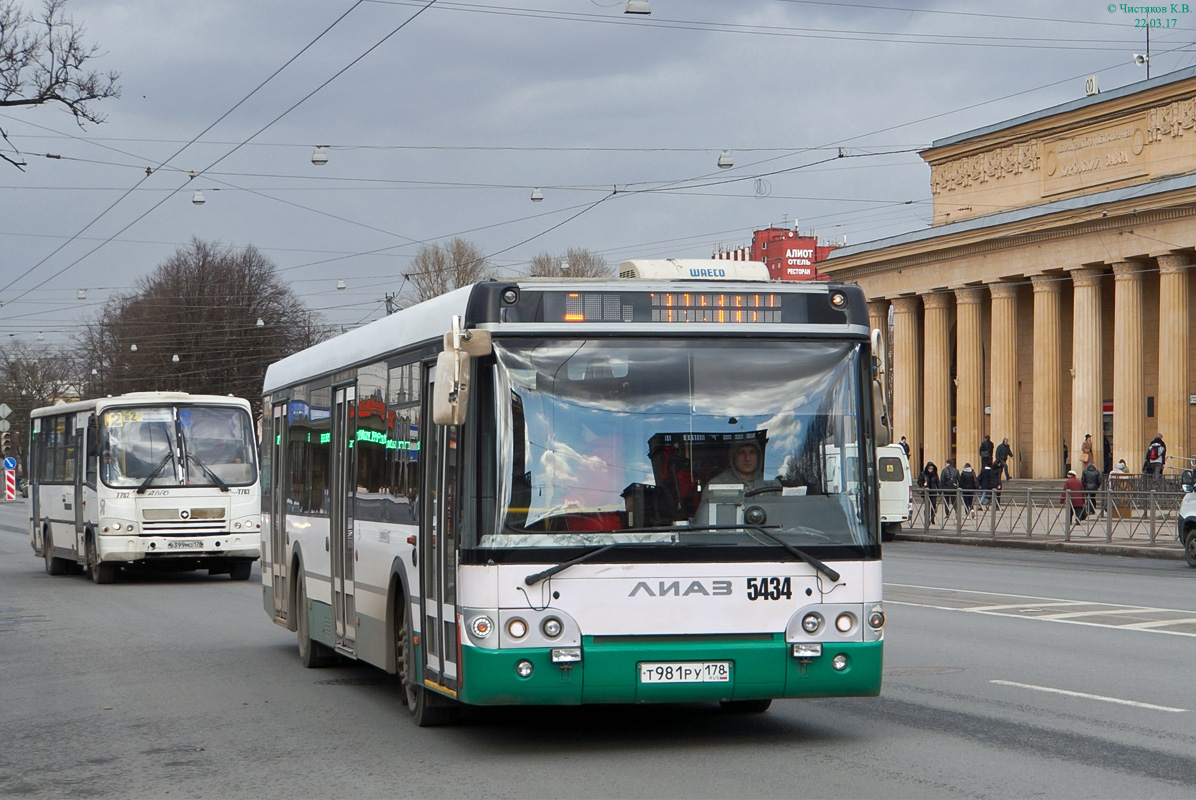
(1112, 513)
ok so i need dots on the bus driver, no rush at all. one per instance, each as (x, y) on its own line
(747, 467)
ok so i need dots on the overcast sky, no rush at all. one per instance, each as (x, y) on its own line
(441, 118)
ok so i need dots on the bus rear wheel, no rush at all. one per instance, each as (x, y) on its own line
(101, 571)
(54, 566)
(1190, 549)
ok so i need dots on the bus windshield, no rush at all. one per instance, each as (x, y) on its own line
(166, 446)
(607, 441)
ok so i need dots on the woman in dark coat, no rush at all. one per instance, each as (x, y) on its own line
(967, 486)
(929, 480)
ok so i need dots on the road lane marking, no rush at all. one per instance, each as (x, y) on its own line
(979, 602)
(1087, 696)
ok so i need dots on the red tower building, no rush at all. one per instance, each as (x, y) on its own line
(788, 255)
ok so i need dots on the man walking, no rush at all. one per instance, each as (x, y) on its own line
(1003, 454)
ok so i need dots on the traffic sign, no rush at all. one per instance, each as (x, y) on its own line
(10, 463)
(5, 410)
(5, 425)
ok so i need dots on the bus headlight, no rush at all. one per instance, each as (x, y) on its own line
(811, 622)
(481, 626)
(516, 628)
(524, 669)
(876, 619)
(840, 662)
(551, 627)
(844, 622)
(566, 655)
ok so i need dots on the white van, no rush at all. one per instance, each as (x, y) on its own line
(896, 496)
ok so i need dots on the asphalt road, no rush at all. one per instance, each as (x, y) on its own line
(1008, 674)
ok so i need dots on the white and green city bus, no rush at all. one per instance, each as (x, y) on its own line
(517, 493)
(149, 480)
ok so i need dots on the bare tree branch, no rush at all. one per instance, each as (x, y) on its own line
(44, 59)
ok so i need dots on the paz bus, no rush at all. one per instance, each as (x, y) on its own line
(149, 480)
(517, 492)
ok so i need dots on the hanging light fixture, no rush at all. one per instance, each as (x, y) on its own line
(81, 294)
(340, 285)
(175, 358)
(637, 7)
(725, 161)
(318, 156)
(261, 323)
(132, 348)
(537, 195)
(198, 197)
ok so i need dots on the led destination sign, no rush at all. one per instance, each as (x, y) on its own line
(726, 308)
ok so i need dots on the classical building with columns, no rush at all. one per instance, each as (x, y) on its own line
(1050, 297)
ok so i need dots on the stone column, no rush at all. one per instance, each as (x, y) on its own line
(1087, 398)
(1173, 354)
(936, 384)
(1048, 427)
(907, 375)
(1129, 382)
(969, 373)
(1005, 398)
(878, 318)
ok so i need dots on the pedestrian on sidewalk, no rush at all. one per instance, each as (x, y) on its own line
(1002, 456)
(1090, 479)
(949, 481)
(932, 483)
(1073, 496)
(986, 482)
(904, 446)
(1156, 457)
(986, 452)
(967, 486)
(1086, 452)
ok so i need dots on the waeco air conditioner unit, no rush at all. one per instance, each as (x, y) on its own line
(677, 269)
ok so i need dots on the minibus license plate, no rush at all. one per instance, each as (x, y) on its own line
(685, 672)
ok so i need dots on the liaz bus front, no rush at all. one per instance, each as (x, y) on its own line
(178, 484)
(669, 493)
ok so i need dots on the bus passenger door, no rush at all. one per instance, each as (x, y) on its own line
(278, 512)
(437, 541)
(81, 461)
(343, 488)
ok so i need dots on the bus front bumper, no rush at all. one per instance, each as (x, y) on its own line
(614, 673)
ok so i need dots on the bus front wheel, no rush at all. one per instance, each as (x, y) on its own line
(312, 654)
(745, 706)
(427, 708)
(101, 571)
(240, 570)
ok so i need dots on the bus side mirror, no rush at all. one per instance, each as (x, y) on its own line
(1186, 480)
(450, 393)
(880, 418)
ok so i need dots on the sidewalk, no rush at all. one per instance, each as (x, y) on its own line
(1138, 524)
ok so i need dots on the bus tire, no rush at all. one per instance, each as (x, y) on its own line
(745, 706)
(54, 566)
(240, 570)
(1190, 549)
(889, 531)
(101, 572)
(313, 654)
(427, 708)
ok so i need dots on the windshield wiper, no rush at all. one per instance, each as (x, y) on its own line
(149, 478)
(204, 468)
(806, 557)
(536, 577)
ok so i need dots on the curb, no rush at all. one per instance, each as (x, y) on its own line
(1056, 545)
